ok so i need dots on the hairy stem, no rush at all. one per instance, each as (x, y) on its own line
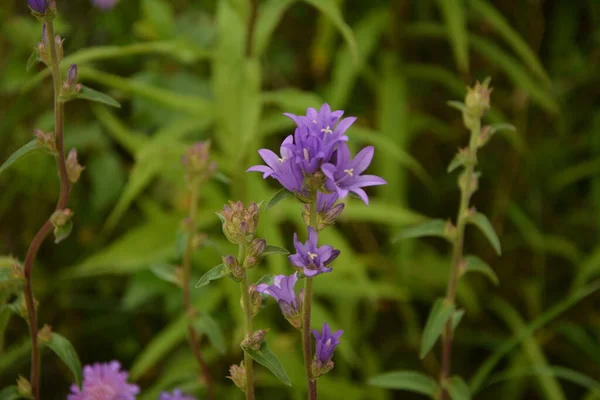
(47, 226)
(457, 252)
(247, 324)
(306, 309)
(193, 336)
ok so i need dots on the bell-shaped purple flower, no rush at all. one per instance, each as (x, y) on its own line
(176, 395)
(282, 290)
(345, 175)
(39, 6)
(326, 342)
(104, 381)
(316, 137)
(283, 168)
(309, 258)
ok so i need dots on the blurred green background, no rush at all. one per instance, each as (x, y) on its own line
(182, 71)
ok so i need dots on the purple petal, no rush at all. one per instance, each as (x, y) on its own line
(267, 172)
(362, 194)
(363, 159)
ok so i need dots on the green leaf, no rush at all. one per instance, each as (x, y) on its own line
(266, 358)
(435, 227)
(496, 20)
(270, 249)
(484, 225)
(10, 393)
(270, 13)
(411, 381)
(32, 60)
(499, 127)
(458, 389)
(476, 264)
(23, 151)
(166, 272)
(66, 352)
(440, 312)
(277, 197)
(63, 232)
(459, 105)
(330, 9)
(456, 318)
(454, 15)
(90, 94)
(207, 325)
(216, 273)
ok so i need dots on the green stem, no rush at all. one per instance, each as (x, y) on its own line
(245, 288)
(193, 336)
(306, 310)
(47, 226)
(457, 251)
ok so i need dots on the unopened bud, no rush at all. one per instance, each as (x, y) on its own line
(38, 6)
(24, 387)
(319, 369)
(477, 102)
(197, 163)
(45, 141)
(234, 270)
(239, 223)
(328, 217)
(255, 300)
(254, 340)
(61, 217)
(254, 252)
(58, 43)
(485, 135)
(74, 169)
(237, 373)
(45, 334)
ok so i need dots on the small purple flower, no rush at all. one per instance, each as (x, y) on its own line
(283, 168)
(104, 381)
(326, 342)
(282, 290)
(345, 176)
(39, 6)
(309, 258)
(176, 395)
(105, 5)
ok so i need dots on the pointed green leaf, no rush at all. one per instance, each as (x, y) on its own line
(435, 227)
(502, 127)
(216, 273)
(207, 325)
(23, 151)
(440, 312)
(63, 232)
(456, 162)
(66, 352)
(277, 197)
(411, 381)
(476, 264)
(99, 97)
(459, 105)
(270, 249)
(458, 389)
(331, 10)
(456, 318)
(32, 60)
(10, 393)
(454, 15)
(166, 272)
(266, 358)
(484, 225)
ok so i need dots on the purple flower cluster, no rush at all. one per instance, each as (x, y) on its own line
(318, 150)
(104, 381)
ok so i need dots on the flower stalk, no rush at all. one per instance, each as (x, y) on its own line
(187, 304)
(61, 204)
(306, 318)
(245, 288)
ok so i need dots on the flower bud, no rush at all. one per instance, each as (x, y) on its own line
(485, 135)
(319, 369)
(24, 387)
(477, 102)
(254, 252)
(38, 6)
(328, 218)
(70, 86)
(74, 169)
(255, 300)
(254, 340)
(45, 334)
(197, 164)
(237, 373)
(61, 217)
(239, 223)
(234, 270)
(45, 141)
(58, 42)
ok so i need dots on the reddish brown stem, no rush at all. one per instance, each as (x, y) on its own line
(47, 227)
